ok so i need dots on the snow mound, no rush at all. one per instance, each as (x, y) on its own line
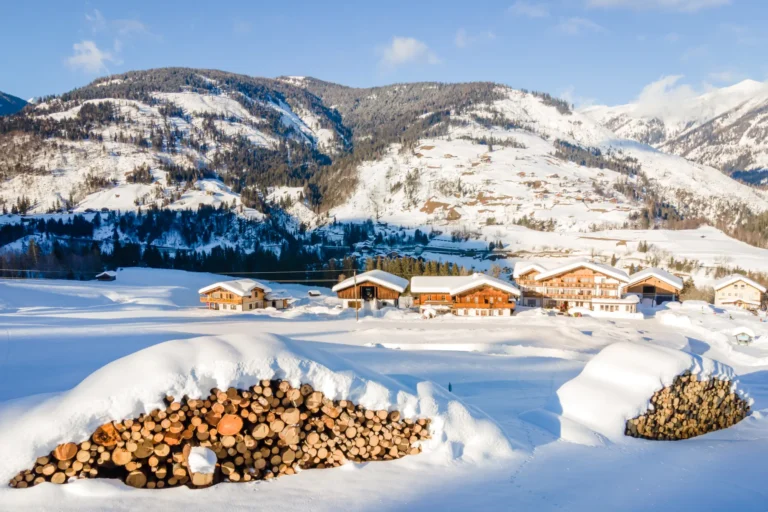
(617, 385)
(138, 383)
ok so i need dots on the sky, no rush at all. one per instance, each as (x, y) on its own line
(586, 51)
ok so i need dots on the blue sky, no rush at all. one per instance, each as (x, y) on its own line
(603, 51)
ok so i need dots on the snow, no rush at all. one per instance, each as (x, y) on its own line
(379, 277)
(618, 383)
(659, 274)
(736, 278)
(73, 353)
(241, 287)
(457, 284)
(616, 273)
(202, 460)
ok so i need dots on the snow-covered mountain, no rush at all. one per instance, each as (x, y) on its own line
(10, 104)
(461, 156)
(725, 128)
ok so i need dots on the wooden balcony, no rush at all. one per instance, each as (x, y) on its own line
(206, 299)
(472, 305)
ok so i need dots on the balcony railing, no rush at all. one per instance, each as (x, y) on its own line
(217, 300)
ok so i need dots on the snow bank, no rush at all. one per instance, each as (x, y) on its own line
(138, 383)
(617, 385)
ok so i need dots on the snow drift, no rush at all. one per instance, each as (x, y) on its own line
(138, 383)
(617, 385)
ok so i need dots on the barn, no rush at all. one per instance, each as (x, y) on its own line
(374, 289)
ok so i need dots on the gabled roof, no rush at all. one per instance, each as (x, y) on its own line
(523, 267)
(378, 277)
(661, 275)
(597, 267)
(241, 287)
(453, 285)
(734, 278)
(108, 273)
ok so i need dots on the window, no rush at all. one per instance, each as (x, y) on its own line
(232, 306)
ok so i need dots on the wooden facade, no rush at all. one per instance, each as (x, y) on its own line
(584, 285)
(369, 290)
(653, 288)
(485, 300)
(220, 298)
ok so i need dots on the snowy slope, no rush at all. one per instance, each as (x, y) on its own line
(724, 128)
(61, 375)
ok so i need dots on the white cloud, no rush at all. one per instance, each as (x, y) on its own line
(673, 5)
(96, 20)
(576, 26)
(727, 77)
(569, 95)
(123, 27)
(529, 9)
(666, 98)
(89, 58)
(406, 50)
(464, 39)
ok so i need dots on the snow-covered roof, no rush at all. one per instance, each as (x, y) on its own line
(453, 285)
(378, 277)
(661, 275)
(108, 273)
(523, 267)
(735, 278)
(597, 267)
(241, 287)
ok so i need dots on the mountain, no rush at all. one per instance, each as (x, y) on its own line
(461, 158)
(724, 128)
(10, 104)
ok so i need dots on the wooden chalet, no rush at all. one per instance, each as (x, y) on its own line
(241, 295)
(474, 295)
(654, 286)
(109, 275)
(739, 291)
(374, 288)
(581, 284)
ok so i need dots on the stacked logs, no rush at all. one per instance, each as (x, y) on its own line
(269, 430)
(688, 408)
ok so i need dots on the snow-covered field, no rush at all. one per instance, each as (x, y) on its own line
(495, 447)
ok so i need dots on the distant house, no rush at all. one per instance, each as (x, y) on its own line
(375, 287)
(654, 285)
(474, 295)
(740, 291)
(241, 295)
(109, 275)
(580, 284)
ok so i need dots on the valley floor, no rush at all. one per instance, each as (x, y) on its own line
(53, 334)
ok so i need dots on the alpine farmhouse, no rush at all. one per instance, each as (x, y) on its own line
(740, 291)
(373, 289)
(474, 295)
(241, 295)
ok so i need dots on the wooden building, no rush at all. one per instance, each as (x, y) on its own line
(654, 286)
(581, 284)
(374, 289)
(739, 291)
(108, 275)
(241, 295)
(474, 295)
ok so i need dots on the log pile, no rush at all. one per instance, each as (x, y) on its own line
(269, 430)
(688, 408)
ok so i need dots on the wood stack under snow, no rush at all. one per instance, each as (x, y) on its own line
(688, 408)
(269, 430)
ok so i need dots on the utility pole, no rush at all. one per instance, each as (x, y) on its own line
(357, 303)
